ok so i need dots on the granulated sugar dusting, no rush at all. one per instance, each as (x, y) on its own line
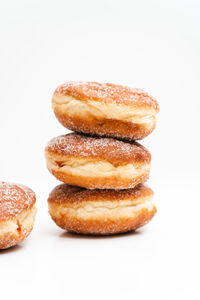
(108, 149)
(107, 92)
(66, 193)
(14, 199)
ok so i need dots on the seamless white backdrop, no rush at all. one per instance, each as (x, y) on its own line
(153, 45)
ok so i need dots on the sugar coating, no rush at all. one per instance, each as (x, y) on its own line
(65, 193)
(107, 92)
(109, 149)
(127, 131)
(14, 199)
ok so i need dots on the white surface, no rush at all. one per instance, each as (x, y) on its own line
(153, 45)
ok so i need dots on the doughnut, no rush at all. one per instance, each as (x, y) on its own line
(17, 213)
(101, 212)
(95, 162)
(105, 109)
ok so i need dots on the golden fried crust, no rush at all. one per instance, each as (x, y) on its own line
(107, 149)
(105, 227)
(105, 127)
(14, 199)
(107, 93)
(9, 240)
(15, 230)
(64, 193)
(89, 182)
(102, 212)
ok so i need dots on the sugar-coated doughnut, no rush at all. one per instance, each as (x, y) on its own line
(17, 213)
(94, 162)
(101, 212)
(105, 109)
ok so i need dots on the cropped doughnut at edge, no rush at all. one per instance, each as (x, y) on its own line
(17, 213)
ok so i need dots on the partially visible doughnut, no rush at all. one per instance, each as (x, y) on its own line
(17, 213)
(94, 162)
(101, 212)
(105, 109)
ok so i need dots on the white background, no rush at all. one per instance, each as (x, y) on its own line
(154, 45)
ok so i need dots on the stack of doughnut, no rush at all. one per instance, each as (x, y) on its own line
(102, 167)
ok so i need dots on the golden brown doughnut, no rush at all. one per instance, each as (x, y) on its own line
(17, 213)
(105, 109)
(101, 212)
(94, 162)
